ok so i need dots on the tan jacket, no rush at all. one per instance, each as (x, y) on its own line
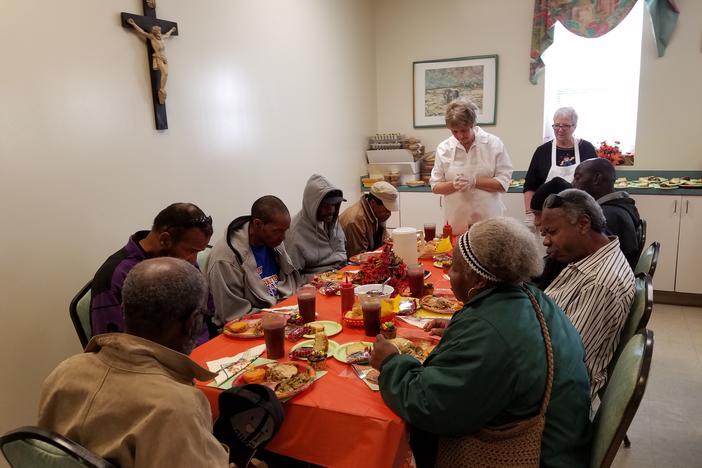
(361, 228)
(133, 402)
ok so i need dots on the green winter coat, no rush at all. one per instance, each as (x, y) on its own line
(489, 369)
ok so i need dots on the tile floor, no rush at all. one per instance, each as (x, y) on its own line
(667, 429)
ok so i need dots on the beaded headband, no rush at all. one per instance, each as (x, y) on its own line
(470, 258)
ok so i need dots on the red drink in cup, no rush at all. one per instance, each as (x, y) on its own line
(415, 274)
(274, 335)
(429, 232)
(371, 316)
(306, 301)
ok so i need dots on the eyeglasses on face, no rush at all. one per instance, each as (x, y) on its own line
(562, 126)
(195, 222)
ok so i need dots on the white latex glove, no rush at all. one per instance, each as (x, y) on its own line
(460, 184)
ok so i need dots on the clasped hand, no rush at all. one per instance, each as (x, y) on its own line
(463, 182)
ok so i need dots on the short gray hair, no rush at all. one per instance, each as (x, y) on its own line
(576, 203)
(461, 112)
(160, 291)
(567, 112)
(506, 248)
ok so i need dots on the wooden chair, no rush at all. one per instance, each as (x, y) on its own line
(621, 399)
(648, 260)
(32, 447)
(79, 310)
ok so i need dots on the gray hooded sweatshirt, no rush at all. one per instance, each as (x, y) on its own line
(236, 286)
(313, 246)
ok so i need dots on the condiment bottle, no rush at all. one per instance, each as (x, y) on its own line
(448, 231)
(347, 297)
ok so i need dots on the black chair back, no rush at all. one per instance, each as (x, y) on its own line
(79, 310)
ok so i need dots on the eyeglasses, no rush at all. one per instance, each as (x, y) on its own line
(199, 221)
(562, 126)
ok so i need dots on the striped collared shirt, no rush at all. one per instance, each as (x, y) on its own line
(596, 294)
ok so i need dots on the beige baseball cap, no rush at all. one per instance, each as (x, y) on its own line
(387, 193)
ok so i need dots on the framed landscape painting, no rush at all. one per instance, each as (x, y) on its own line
(438, 82)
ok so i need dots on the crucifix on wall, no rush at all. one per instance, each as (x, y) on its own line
(154, 31)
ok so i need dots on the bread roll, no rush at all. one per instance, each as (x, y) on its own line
(254, 375)
(321, 342)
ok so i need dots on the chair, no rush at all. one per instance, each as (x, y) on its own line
(641, 235)
(648, 259)
(621, 399)
(32, 447)
(639, 314)
(79, 310)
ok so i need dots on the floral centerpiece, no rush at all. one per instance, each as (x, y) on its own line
(613, 154)
(381, 267)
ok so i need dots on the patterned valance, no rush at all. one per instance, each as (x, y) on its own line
(592, 18)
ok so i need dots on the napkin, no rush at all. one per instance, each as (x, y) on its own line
(415, 321)
(228, 367)
(285, 310)
(444, 245)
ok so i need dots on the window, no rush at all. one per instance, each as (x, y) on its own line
(599, 77)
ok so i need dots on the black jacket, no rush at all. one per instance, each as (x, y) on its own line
(622, 221)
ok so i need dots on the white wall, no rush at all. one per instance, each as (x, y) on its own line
(670, 114)
(260, 95)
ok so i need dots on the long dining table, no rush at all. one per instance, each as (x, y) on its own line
(339, 421)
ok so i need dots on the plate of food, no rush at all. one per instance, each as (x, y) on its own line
(418, 349)
(303, 349)
(355, 352)
(328, 327)
(246, 329)
(286, 379)
(334, 276)
(440, 304)
(363, 257)
(443, 261)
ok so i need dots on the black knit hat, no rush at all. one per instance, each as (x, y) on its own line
(555, 185)
(249, 417)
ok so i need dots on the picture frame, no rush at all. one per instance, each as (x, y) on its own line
(438, 82)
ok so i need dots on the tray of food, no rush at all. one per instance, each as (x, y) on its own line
(440, 304)
(244, 329)
(363, 257)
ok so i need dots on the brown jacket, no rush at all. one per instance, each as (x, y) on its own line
(362, 229)
(132, 401)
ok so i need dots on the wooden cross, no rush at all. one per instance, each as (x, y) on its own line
(154, 30)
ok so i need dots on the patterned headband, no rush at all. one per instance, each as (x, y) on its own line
(470, 258)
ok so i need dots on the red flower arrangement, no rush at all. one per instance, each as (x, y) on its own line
(611, 153)
(386, 265)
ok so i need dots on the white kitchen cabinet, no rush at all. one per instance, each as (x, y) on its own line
(675, 222)
(662, 215)
(417, 208)
(688, 278)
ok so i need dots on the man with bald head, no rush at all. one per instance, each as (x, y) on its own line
(130, 396)
(180, 230)
(596, 177)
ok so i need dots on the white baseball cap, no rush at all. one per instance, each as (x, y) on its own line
(386, 193)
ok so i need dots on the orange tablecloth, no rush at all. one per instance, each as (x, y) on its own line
(339, 421)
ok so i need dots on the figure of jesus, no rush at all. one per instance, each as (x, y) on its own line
(158, 58)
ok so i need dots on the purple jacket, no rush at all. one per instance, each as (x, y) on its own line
(106, 292)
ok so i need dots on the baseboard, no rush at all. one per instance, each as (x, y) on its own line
(676, 298)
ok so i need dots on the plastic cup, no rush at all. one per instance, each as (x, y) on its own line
(370, 306)
(429, 231)
(274, 335)
(415, 274)
(307, 302)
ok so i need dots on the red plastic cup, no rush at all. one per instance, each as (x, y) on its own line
(370, 306)
(415, 275)
(274, 335)
(307, 302)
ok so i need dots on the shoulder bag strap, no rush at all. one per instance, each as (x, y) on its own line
(549, 350)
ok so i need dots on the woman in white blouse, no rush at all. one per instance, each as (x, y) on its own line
(472, 169)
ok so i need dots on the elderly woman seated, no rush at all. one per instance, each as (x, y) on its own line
(490, 367)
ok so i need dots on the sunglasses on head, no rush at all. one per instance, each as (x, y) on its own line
(200, 221)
